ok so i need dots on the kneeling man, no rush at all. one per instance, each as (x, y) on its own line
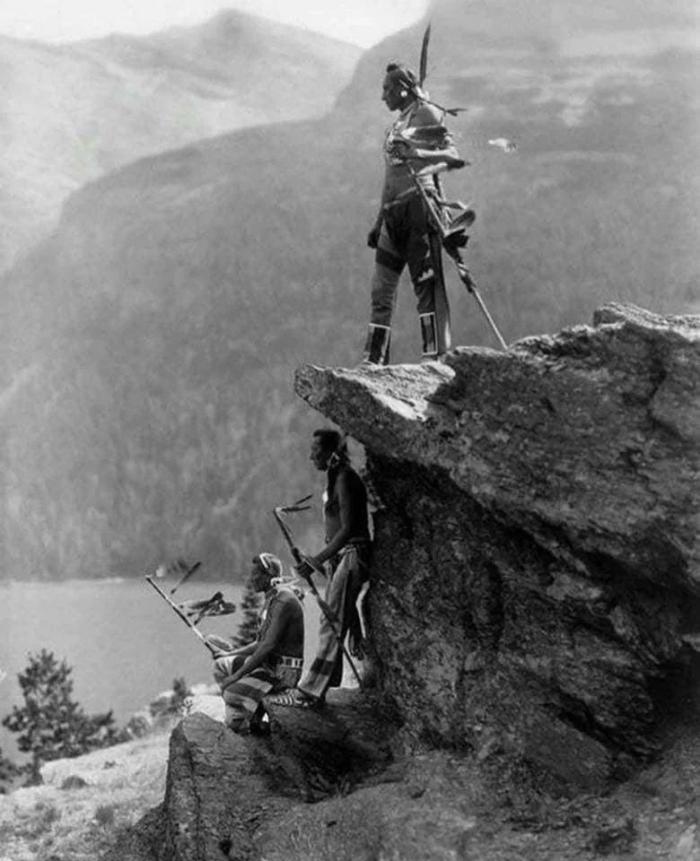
(273, 661)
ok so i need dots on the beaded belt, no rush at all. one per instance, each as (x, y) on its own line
(294, 663)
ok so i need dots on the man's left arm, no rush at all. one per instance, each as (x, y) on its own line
(340, 538)
(428, 140)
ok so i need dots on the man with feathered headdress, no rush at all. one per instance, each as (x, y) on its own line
(402, 235)
(273, 661)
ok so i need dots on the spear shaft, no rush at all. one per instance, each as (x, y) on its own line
(299, 557)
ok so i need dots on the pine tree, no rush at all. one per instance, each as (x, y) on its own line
(248, 629)
(8, 771)
(50, 724)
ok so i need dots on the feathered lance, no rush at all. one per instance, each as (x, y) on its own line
(214, 606)
(299, 558)
(190, 624)
(451, 249)
(423, 73)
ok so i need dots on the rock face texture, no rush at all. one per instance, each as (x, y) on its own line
(536, 563)
(221, 787)
(204, 810)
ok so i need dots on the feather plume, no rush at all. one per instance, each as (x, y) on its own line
(423, 66)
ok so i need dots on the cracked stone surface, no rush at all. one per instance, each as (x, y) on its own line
(221, 786)
(536, 565)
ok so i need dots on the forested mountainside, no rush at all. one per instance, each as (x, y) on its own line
(147, 384)
(72, 112)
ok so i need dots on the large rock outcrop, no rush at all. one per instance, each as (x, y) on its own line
(222, 787)
(536, 560)
(533, 608)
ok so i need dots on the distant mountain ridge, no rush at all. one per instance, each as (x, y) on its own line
(72, 112)
(167, 312)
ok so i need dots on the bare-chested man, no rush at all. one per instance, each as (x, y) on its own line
(273, 661)
(344, 556)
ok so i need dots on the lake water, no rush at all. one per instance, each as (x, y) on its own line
(124, 643)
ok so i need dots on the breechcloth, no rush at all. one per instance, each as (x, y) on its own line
(342, 591)
(405, 239)
(242, 698)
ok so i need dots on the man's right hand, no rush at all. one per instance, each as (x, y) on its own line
(304, 569)
(224, 662)
(373, 236)
(223, 647)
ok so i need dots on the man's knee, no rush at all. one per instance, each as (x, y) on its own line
(382, 308)
(383, 294)
(227, 664)
(225, 667)
(425, 293)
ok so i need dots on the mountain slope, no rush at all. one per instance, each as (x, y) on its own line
(69, 113)
(148, 392)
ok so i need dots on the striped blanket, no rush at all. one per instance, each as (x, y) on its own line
(243, 698)
(341, 594)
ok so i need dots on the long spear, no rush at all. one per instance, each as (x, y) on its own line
(195, 630)
(464, 274)
(448, 242)
(299, 558)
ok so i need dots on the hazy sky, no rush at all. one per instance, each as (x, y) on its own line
(362, 21)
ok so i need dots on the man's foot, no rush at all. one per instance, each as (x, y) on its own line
(370, 363)
(260, 728)
(260, 722)
(296, 699)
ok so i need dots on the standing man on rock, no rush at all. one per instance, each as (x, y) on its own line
(402, 234)
(273, 661)
(345, 556)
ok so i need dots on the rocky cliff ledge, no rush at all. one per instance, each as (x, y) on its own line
(536, 567)
(534, 620)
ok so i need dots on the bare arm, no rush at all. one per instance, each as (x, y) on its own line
(421, 156)
(339, 539)
(382, 203)
(448, 155)
(260, 650)
(428, 141)
(225, 649)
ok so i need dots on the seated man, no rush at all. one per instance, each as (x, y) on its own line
(273, 661)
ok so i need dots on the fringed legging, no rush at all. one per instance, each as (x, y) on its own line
(405, 239)
(341, 594)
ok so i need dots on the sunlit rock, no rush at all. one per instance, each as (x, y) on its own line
(536, 558)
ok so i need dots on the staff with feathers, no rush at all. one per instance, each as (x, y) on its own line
(452, 227)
